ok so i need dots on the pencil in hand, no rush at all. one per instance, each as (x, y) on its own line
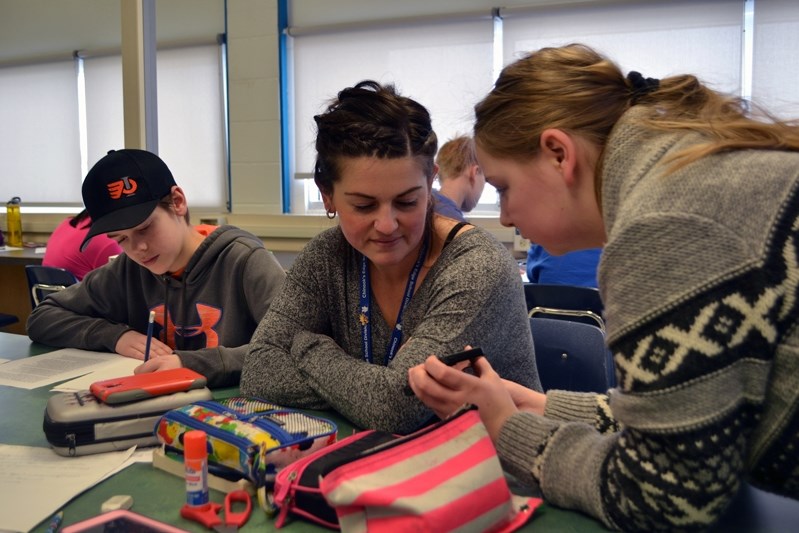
(149, 336)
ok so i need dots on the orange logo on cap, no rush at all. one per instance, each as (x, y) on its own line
(126, 186)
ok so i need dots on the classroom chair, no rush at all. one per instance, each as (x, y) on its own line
(7, 320)
(571, 356)
(570, 302)
(43, 280)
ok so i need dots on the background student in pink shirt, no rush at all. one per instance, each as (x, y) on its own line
(63, 247)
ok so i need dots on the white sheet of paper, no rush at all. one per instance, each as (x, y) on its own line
(117, 367)
(36, 482)
(47, 368)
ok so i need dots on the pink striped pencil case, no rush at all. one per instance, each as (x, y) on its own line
(442, 478)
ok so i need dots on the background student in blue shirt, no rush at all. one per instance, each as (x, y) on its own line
(572, 268)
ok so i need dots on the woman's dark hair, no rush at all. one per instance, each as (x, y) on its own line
(80, 218)
(371, 120)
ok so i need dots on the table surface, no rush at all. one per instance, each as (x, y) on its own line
(26, 256)
(156, 493)
(160, 495)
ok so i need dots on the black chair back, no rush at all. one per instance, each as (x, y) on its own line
(43, 280)
(571, 356)
(7, 320)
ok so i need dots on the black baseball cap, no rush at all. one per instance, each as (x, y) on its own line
(123, 188)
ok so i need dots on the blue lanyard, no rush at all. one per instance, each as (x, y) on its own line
(365, 313)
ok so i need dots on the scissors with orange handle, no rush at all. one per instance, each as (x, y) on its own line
(208, 514)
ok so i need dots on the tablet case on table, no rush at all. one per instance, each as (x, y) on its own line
(77, 423)
(121, 520)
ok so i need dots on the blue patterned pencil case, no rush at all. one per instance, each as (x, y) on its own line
(247, 437)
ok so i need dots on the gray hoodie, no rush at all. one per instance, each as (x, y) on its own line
(212, 309)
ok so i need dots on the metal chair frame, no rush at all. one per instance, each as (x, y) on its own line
(569, 313)
(568, 302)
(44, 287)
(44, 280)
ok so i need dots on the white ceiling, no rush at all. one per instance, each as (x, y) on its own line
(33, 28)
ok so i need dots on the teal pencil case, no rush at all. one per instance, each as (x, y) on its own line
(247, 437)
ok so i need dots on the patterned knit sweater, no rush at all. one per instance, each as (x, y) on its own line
(699, 279)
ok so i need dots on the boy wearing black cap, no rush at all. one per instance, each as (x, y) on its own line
(208, 286)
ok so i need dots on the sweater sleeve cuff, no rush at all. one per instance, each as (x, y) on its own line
(521, 440)
(220, 369)
(568, 406)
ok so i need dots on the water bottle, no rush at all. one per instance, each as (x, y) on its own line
(13, 223)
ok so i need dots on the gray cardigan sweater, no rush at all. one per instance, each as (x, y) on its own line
(307, 352)
(699, 279)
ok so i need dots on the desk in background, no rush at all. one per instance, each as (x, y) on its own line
(14, 297)
(160, 495)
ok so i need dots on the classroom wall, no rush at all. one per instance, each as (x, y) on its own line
(252, 29)
(254, 96)
(254, 85)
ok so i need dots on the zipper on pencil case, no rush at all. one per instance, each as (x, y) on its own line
(271, 411)
(245, 406)
(68, 434)
(396, 441)
(271, 421)
(190, 422)
(295, 484)
(231, 411)
(279, 434)
(310, 432)
(72, 435)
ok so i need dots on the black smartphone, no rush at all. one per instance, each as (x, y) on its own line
(452, 359)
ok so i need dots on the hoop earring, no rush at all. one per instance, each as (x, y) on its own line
(330, 214)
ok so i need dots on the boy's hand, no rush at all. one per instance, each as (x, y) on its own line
(132, 344)
(162, 362)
